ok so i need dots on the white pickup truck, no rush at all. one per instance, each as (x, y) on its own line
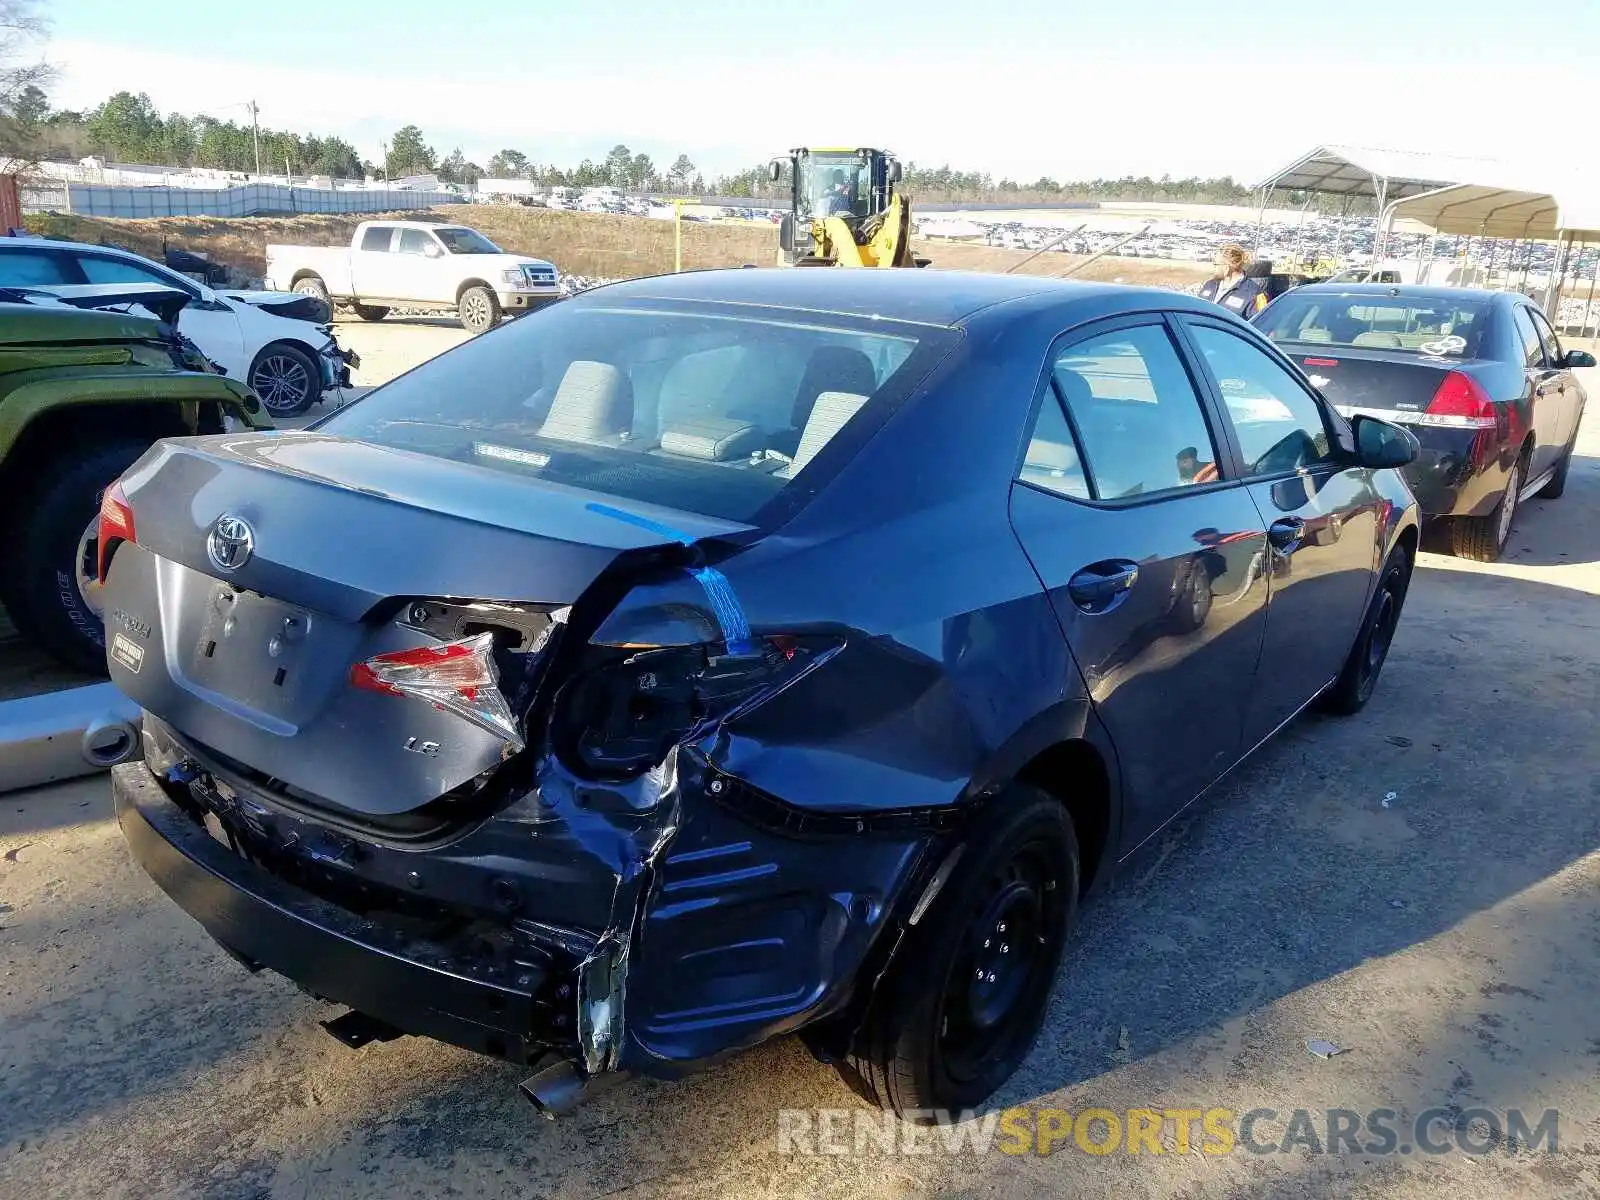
(417, 264)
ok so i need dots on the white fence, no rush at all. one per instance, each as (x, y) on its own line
(247, 200)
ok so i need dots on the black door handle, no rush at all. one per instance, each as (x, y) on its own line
(1285, 534)
(1098, 587)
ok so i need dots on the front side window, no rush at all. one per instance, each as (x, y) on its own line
(1139, 421)
(414, 241)
(458, 240)
(715, 414)
(1280, 426)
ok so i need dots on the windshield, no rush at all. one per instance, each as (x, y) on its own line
(1440, 327)
(713, 414)
(836, 183)
(458, 240)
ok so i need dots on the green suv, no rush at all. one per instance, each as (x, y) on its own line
(86, 386)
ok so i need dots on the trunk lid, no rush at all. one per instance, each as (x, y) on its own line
(1385, 383)
(243, 638)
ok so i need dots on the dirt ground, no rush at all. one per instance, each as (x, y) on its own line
(597, 245)
(1419, 884)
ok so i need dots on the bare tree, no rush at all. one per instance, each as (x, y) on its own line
(23, 31)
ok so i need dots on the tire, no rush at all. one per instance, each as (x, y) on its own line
(1558, 482)
(370, 312)
(53, 597)
(1194, 604)
(944, 1032)
(312, 285)
(1483, 538)
(480, 310)
(1351, 691)
(287, 379)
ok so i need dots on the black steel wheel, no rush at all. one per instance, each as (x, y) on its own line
(966, 993)
(1354, 687)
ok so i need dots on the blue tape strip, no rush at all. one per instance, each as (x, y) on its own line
(724, 603)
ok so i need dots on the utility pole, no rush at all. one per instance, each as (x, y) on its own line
(255, 129)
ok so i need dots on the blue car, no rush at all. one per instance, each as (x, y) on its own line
(723, 655)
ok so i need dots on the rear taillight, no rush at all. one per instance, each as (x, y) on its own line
(116, 526)
(456, 677)
(621, 716)
(1459, 403)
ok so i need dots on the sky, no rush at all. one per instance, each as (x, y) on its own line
(1019, 88)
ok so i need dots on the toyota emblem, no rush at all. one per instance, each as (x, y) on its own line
(230, 542)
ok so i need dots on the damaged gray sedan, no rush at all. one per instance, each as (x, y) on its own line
(726, 655)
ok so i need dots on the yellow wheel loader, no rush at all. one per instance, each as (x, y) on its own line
(846, 210)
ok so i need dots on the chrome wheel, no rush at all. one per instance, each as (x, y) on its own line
(283, 383)
(475, 312)
(86, 566)
(1508, 505)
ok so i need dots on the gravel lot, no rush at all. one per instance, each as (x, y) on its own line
(1449, 938)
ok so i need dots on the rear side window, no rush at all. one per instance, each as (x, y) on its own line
(1528, 336)
(29, 269)
(1138, 418)
(120, 270)
(1279, 425)
(377, 238)
(715, 414)
(1553, 353)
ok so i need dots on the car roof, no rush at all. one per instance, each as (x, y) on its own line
(928, 297)
(32, 243)
(1404, 291)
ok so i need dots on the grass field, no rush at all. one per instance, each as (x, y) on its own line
(578, 243)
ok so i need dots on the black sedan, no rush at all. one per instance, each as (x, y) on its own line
(728, 654)
(1480, 377)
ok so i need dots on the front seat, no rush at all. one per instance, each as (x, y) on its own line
(594, 404)
(832, 369)
(830, 412)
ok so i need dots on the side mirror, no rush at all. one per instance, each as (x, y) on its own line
(896, 171)
(432, 250)
(1578, 358)
(774, 170)
(1380, 444)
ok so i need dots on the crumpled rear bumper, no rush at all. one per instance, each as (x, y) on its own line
(748, 920)
(330, 951)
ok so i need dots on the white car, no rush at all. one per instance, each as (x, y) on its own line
(418, 264)
(286, 361)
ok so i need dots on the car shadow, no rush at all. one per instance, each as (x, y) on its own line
(1346, 840)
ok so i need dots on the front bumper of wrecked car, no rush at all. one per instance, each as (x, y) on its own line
(573, 924)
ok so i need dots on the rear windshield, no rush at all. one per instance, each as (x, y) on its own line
(1446, 328)
(713, 414)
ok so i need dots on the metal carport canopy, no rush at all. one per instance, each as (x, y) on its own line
(1482, 210)
(1374, 174)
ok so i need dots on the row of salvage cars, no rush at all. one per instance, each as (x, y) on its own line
(738, 653)
(92, 375)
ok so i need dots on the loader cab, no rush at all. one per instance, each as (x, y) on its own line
(824, 182)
